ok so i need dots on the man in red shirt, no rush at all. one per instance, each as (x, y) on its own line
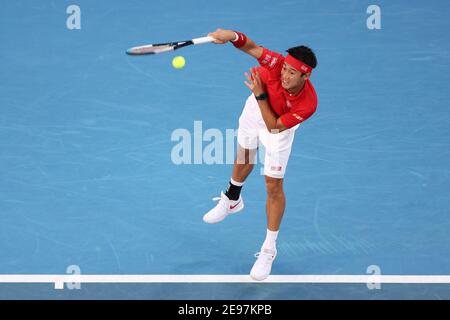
(282, 97)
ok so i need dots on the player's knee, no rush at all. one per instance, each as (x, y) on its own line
(274, 187)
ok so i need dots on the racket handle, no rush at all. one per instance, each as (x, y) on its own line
(202, 40)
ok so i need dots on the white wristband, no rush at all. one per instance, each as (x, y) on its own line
(235, 39)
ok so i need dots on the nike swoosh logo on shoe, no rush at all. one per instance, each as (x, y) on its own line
(232, 207)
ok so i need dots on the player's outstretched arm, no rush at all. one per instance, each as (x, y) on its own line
(248, 46)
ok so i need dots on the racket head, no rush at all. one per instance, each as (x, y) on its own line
(151, 49)
(159, 48)
(165, 47)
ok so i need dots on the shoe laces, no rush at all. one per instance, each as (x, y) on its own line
(225, 200)
(222, 202)
(265, 256)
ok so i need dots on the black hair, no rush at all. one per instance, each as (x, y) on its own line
(304, 54)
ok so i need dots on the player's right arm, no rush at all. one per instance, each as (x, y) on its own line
(250, 47)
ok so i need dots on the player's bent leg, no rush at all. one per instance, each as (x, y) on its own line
(244, 163)
(231, 201)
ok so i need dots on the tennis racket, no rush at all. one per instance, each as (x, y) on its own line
(165, 47)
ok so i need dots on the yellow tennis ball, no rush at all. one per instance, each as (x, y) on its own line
(178, 62)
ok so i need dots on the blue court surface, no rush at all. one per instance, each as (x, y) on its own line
(88, 136)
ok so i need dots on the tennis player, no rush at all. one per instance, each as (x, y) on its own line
(282, 98)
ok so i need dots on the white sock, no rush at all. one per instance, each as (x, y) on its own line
(237, 184)
(271, 240)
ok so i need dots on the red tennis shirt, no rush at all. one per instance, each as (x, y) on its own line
(292, 109)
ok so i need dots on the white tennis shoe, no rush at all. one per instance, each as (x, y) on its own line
(223, 209)
(263, 265)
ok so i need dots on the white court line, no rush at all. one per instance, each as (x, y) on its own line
(59, 280)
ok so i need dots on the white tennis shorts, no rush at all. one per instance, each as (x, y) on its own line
(252, 131)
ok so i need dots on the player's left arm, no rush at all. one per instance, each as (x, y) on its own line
(271, 119)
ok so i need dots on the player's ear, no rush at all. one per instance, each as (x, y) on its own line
(306, 76)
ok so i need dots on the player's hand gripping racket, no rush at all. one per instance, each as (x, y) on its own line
(165, 47)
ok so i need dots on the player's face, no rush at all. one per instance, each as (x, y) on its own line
(292, 79)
